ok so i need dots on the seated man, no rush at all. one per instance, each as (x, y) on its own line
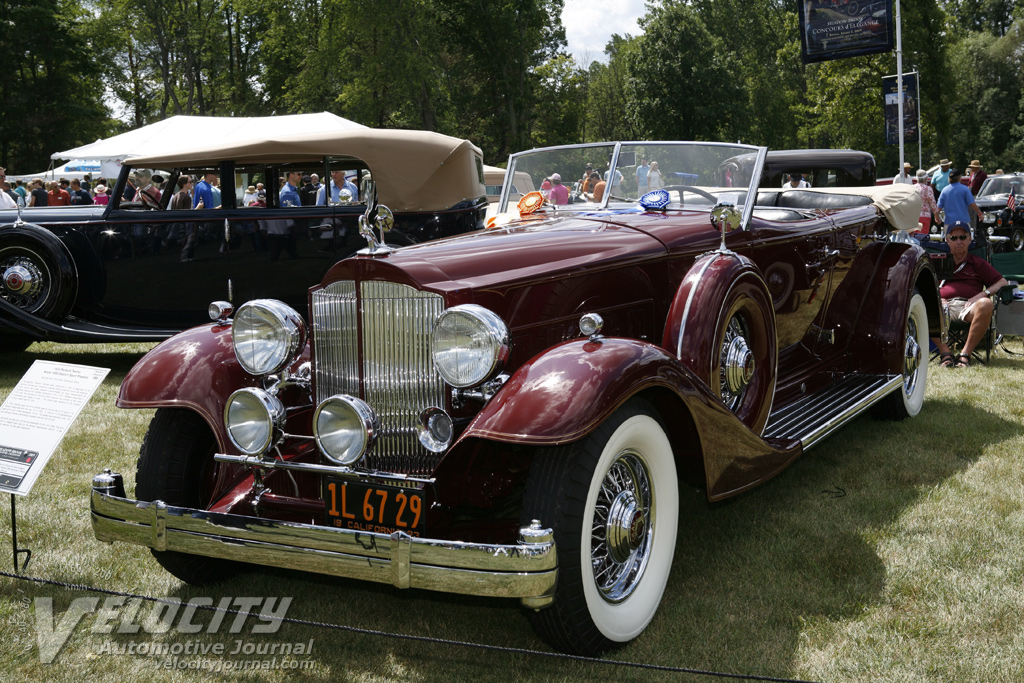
(966, 293)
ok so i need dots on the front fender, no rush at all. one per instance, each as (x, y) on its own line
(567, 391)
(196, 369)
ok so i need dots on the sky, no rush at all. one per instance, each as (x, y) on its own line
(589, 25)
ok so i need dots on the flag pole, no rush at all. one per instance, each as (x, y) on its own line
(899, 81)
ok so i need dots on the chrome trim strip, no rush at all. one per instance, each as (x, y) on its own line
(333, 470)
(522, 570)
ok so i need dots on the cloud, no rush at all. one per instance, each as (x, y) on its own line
(589, 25)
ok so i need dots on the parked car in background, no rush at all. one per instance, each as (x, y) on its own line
(819, 167)
(510, 412)
(121, 272)
(998, 218)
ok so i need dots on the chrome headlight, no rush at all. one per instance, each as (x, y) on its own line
(469, 345)
(988, 217)
(991, 230)
(267, 335)
(254, 420)
(345, 428)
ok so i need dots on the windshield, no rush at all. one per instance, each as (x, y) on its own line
(614, 174)
(994, 186)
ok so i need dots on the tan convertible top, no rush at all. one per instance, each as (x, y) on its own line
(414, 170)
(901, 204)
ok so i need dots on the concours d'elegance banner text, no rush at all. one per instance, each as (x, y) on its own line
(833, 29)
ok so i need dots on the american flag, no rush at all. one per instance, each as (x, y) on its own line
(1011, 201)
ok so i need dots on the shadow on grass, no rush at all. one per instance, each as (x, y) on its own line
(748, 574)
(118, 357)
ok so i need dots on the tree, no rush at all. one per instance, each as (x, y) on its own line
(682, 81)
(51, 85)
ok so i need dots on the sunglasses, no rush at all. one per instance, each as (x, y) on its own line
(958, 238)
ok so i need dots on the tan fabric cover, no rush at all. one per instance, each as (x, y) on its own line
(900, 204)
(414, 170)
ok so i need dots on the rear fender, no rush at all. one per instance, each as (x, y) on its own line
(196, 370)
(879, 338)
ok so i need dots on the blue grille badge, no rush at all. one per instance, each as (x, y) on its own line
(655, 200)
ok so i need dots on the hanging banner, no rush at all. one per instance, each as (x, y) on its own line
(833, 29)
(910, 104)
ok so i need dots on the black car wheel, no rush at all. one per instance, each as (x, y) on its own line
(613, 502)
(1017, 239)
(176, 466)
(31, 279)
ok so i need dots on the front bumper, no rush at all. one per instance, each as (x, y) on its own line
(527, 570)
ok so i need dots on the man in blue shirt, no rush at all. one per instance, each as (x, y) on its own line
(203, 192)
(957, 202)
(940, 179)
(289, 195)
(641, 177)
(338, 183)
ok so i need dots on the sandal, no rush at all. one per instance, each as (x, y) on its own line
(946, 360)
(963, 361)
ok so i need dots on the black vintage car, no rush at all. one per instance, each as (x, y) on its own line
(819, 167)
(998, 218)
(135, 271)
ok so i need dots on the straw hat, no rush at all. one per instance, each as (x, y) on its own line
(974, 164)
(944, 163)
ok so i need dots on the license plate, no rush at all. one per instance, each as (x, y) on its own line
(373, 508)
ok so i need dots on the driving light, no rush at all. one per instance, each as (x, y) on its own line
(470, 344)
(435, 430)
(991, 230)
(345, 428)
(254, 420)
(267, 335)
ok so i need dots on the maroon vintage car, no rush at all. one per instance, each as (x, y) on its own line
(509, 412)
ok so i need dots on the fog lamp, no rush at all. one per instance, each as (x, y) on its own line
(345, 428)
(254, 420)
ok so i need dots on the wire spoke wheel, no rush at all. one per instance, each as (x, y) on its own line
(26, 278)
(622, 530)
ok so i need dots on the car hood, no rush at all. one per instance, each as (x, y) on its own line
(532, 249)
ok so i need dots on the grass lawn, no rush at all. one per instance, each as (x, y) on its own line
(891, 552)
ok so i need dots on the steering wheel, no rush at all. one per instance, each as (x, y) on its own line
(690, 188)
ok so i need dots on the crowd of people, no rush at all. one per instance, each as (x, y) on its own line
(38, 192)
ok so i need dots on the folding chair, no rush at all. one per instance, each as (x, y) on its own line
(957, 330)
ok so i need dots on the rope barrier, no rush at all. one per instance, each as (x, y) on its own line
(415, 638)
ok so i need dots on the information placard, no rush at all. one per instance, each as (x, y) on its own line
(37, 415)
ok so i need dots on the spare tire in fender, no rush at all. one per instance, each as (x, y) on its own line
(722, 326)
(37, 274)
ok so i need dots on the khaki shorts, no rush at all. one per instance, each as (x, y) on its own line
(958, 308)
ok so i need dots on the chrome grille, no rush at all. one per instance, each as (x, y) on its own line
(398, 376)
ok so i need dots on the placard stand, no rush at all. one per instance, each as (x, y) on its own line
(15, 550)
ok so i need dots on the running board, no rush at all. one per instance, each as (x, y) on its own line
(815, 416)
